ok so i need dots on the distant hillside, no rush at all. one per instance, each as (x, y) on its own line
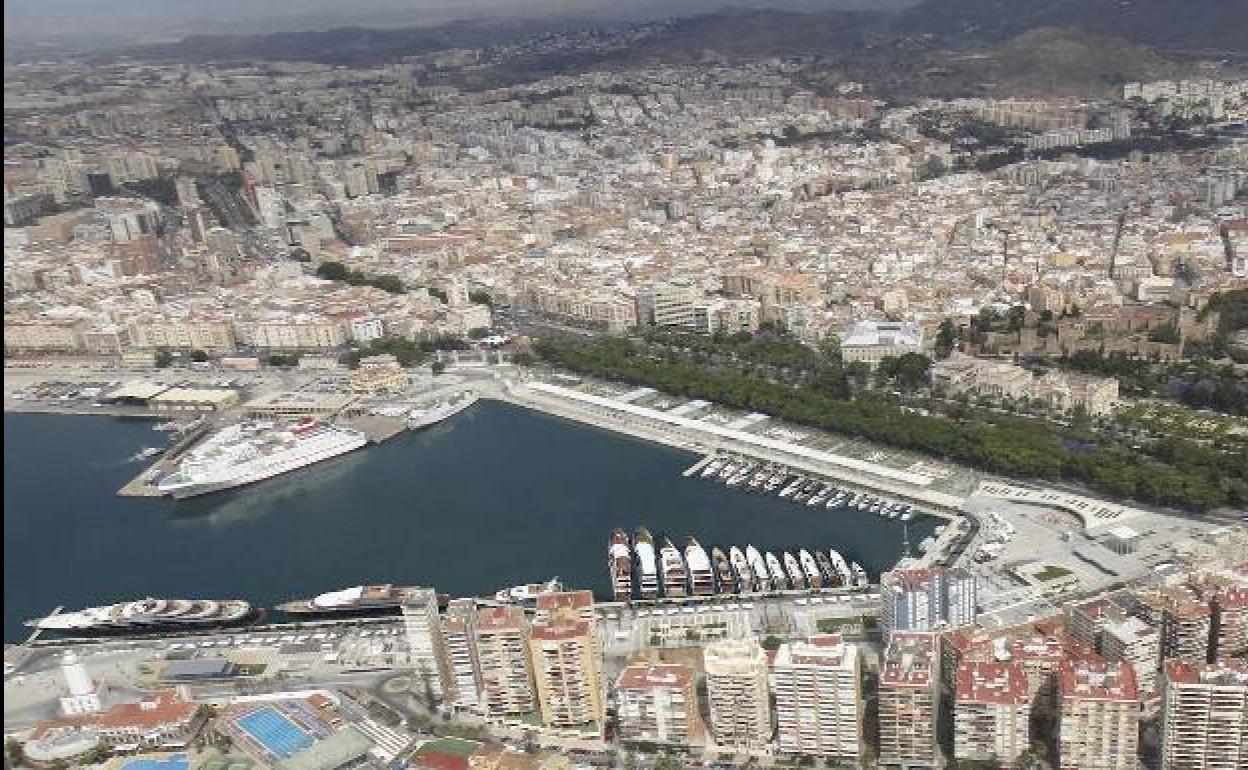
(1187, 25)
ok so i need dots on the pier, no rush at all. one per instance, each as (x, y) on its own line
(141, 485)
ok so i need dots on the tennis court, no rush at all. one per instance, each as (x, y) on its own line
(274, 730)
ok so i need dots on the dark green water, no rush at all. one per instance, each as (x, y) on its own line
(496, 496)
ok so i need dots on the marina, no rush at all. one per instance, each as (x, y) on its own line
(407, 511)
(748, 572)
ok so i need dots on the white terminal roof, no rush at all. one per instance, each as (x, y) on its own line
(138, 389)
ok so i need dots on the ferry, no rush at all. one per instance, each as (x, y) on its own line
(758, 568)
(440, 410)
(647, 566)
(741, 566)
(841, 568)
(794, 570)
(810, 568)
(724, 581)
(779, 581)
(675, 576)
(701, 573)
(620, 563)
(147, 615)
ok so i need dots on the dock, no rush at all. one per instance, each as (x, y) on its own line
(378, 428)
(142, 486)
(34, 635)
(698, 466)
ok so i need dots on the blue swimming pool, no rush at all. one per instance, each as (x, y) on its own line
(172, 762)
(274, 730)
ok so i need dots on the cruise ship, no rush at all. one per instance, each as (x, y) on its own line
(701, 576)
(255, 450)
(675, 576)
(361, 600)
(147, 614)
(647, 568)
(620, 562)
(440, 410)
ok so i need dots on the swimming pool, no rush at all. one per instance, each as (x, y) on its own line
(274, 730)
(172, 762)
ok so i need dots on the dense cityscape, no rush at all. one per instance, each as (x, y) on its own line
(999, 329)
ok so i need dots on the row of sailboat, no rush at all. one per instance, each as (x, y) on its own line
(638, 569)
(772, 478)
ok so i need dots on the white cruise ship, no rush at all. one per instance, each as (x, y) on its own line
(440, 410)
(252, 451)
(147, 614)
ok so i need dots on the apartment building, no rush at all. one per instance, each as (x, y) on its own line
(667, 304)
(1230, 619)
(927, 599)
(739, 694)
(819, 701)
(422, 630)
(212, 336)
(567, 673)
(909, 701)
(1099, 716)
(461, 657)
(501, 640)
(1204, 716)
(657, 703)
(991, 712)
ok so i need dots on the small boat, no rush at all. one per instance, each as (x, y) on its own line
(793, 569)
(675, 575)
(779, 580)
(810, 568)
(620, 563)
(146, 452)
(758, 568)
(741, 566)
(725, 583)
(713, 467)
(791, 488)
(907, 516)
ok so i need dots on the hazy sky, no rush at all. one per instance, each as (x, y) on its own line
(171, 19)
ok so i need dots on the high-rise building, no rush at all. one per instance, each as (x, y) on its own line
(818, 698)
(1135, 642)
(657, 703)
(927, 599)
(422, 629)
(461, 658)
(666, 304)
(567, 670)
(1204, 716)
(1099, 716)
(739, 695)
(909, 700)
(1230, 619)
(501, 641)
(991, 713)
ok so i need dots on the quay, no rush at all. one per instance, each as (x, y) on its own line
(141, 485)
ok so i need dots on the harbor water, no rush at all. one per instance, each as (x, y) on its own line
(496, 496)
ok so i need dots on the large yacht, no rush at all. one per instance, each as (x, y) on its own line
(620, 562)
(441, 410)
(147, 614)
